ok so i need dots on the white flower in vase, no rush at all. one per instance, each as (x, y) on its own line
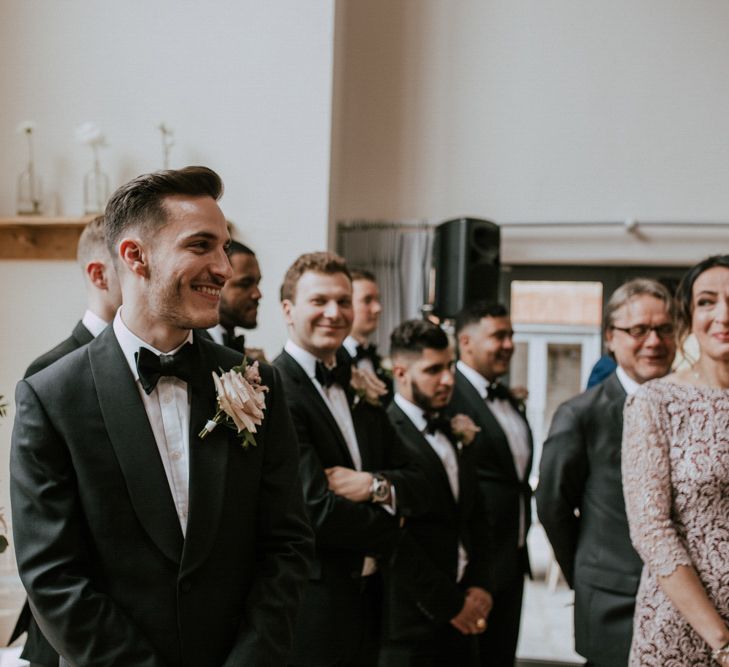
(96, 182)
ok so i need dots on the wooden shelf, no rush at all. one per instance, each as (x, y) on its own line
(40, 237)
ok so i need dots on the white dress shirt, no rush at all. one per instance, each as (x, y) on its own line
(444, 450)
(514, 427)
(350, 344)
(168, 410)
(216, 333)
(93, 323)
(628, 383)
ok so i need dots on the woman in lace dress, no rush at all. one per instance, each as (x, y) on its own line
(676, 483)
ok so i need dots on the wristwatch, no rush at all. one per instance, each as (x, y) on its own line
(379, 490)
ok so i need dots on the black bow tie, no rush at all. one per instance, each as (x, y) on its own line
(496, 390)
(367, 352)
(437, 422)
(341, 374)
(152, 367)
(234, 342)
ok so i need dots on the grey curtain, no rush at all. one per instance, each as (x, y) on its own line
(399, 254)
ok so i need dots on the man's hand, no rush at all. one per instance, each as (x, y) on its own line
(350, 484)
(471, 620)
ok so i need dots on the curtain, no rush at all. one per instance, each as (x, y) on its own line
(400, 256)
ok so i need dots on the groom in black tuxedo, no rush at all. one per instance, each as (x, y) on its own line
(138, 542)
(353, 468)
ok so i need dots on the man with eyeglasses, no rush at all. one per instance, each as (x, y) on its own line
(580, 495)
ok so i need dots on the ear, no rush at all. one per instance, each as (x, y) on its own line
(134, 257)
(287, 306)
(399, 370)
(464, 340)
(96, 273)
(609, 340)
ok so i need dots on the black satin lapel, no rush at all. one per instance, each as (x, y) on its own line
(134, 445)
(208, 462)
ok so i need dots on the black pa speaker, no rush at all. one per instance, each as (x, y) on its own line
(466, 261)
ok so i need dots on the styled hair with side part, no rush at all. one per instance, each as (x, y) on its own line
(320, 262)
(238, 248)
(414, 336)
(473, 313)
(631, 289)
(140, 202)
(362, 274)
(685, 293)
(92, 243)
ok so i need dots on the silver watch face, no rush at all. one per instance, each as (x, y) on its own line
(379, 492)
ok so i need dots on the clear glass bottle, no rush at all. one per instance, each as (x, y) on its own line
(96, 188)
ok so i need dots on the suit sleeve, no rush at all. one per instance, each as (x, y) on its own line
(54, 556)
(286, 546)
(562, 475)
(477, 570)
(337, 522)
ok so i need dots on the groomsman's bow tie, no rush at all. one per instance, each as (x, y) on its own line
(152, 367)
(497, 390)
(341, 374)
(437, 422)
(235, 342)
(367, 352)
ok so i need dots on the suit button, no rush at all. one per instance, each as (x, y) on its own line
(185, 586)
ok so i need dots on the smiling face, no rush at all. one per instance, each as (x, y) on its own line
(487, 346)
(367, 309)
(320, 314)
(710, 313)
(178, 271)
(645, 358)
(425, 379)
(241, 294)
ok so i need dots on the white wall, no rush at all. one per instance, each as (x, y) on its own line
(519, 110)
(245, 84)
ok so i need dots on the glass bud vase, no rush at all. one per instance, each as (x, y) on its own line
(29, 194)
(96, 190)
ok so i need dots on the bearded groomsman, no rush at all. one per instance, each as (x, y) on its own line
(503, 452)
(138, 541)
(580, 493)
(354, 470)
(436, 600)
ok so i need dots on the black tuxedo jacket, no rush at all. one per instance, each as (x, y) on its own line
(110, 579)
(580, 469)
(79, 336)
(421, 593)
(502, 491)
(345, 531)
(37, 649)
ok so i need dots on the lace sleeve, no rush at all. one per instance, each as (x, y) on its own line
(647, 488)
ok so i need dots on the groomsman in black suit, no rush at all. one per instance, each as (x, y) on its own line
(352, 465)
(503, 451)
(138, 541)
(436, 600)
(367, 308)
(103, 297)
(580, 493)
(239, 299)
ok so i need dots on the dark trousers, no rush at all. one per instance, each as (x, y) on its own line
(440, 648)
(497, 645)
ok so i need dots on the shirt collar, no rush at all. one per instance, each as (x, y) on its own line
(216, 333)
(350, 344)
(303, 357)
(629, 384)
(480, 383)
(415, 413)
(93, 323)
(130, 343)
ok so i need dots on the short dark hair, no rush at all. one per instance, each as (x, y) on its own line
(684, 294)
(362, 274)
(415, 336)
(237, 248)
(140, 202)
(321, 262)
(473, 313)
(92, 244)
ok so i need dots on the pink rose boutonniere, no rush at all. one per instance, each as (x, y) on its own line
(464, 429)
(241, 402)
(367, 386)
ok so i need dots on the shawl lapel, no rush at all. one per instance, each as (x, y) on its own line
(134, 445)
